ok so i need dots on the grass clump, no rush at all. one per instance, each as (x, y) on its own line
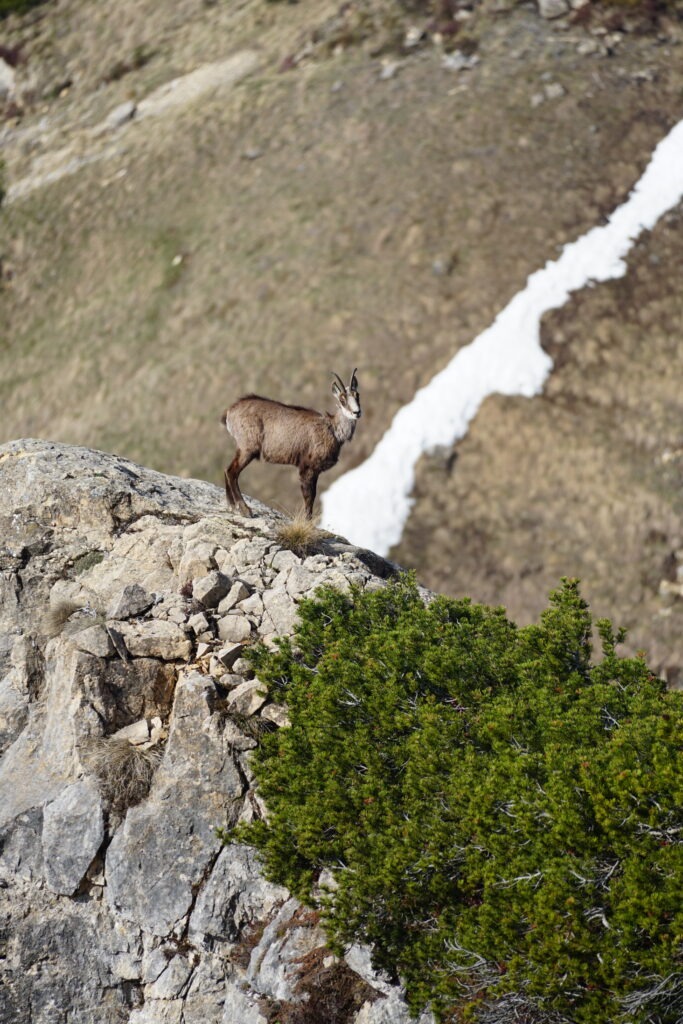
(124, 771)
(502, 813)
(57, 615)
(299, 534)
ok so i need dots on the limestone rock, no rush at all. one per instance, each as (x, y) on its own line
(162, 851)
(252, 606)
(241, 1007)
(7, 80)
(229, 680)
(247, 698)
(211, 589)
(20, 672)
(552, 8)
(145, 733)
(229, 654)
(284, 559)
(94, 640)
(73, 830)
(243, 668)
(155, 639)
(197, 560)
(234, 895)
(301, 580)
(171, 980)
(120, 115)
(133, 916)
(238, 592)
(276, 713)
(198, 623)
(21, 852)
(279, 612)
(283, 941)
(132, 601)
(234, 628)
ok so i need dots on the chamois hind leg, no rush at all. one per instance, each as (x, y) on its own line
(232, 487)
(309, 484)
(229, 494)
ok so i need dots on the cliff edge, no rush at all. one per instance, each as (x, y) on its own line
(127, 718)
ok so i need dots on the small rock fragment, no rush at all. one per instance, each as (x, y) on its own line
(229, 654)
(234, 628)
(119, 644)
(252, 606)
(554, 91)
(198, 623)
(132, 601)
(247, 698)
(229, 680)
(588, 47)
(458, 61)
(284, 559)
(238, 592)
(301, 580)
(389, 69)
(552, 8)
(7, 80)
(144, 734)
(94, 640)
(171, 980)
(120, 115)
(211, 589)
(197, 560)
(244, 668)
(276, 713)
(280, 609)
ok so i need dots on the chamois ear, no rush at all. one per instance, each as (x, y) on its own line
(353, 386)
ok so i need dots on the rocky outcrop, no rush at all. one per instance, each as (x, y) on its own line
(127, 721)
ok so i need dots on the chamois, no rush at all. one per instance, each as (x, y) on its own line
(289, 435)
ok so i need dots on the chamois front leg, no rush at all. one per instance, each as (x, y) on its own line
(308, 479)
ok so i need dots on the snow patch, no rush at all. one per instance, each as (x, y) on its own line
(371, 504)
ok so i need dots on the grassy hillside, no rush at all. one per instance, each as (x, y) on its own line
(332, 210)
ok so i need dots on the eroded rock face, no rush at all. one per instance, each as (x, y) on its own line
(122, 693)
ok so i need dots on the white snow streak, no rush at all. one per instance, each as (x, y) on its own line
(371, 504)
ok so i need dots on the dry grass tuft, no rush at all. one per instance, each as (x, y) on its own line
(56, 616)
(299, 534)
(124, 771)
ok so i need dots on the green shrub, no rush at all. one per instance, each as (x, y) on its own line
(503, 818)
(17, 6)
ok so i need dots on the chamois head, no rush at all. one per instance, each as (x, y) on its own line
(347, 397)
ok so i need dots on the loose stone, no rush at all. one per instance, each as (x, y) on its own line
(211, 589)
(132, 601)
(234, 627)
(247, 698)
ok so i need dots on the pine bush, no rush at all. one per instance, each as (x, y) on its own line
(502, 816)
(17, 6)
